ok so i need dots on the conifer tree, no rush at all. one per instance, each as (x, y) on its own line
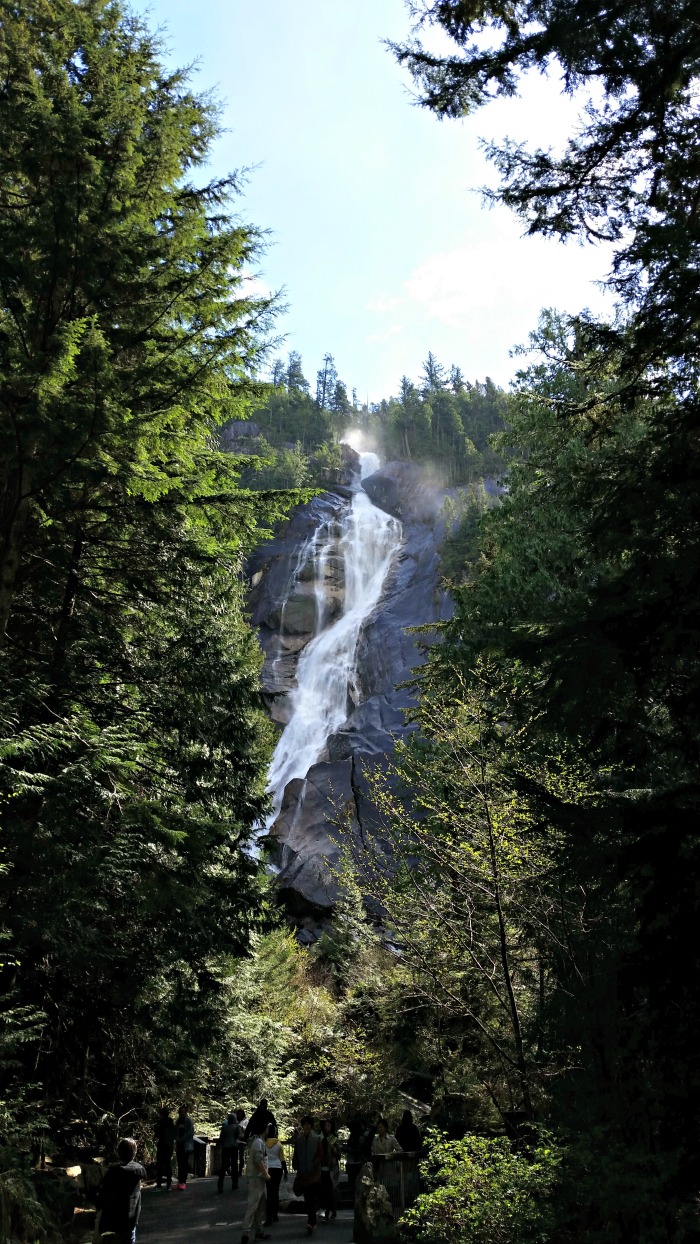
(132, 737)
(326, 380)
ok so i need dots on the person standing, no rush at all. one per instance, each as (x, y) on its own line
(229, 1138)
(307, 1164)
(259, 1119)
(384, 1144)
(164, 1135)
(119, 1197)
(407, 1134)
(184, 1145)
(258, 1178)
(243, 1124)
(277, 1167)
(355, 1152)
(330, 1168)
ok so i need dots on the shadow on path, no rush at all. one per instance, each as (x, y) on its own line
(201, 1215)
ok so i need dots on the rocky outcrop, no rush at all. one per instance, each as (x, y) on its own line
(374, 1220)
(236, 435)
(285, 596)
(406, 491)
(336, 790)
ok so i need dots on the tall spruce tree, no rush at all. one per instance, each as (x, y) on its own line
(133, 741)
(586, 588)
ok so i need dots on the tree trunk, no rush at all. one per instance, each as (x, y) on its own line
(69, 595)
(14, 527)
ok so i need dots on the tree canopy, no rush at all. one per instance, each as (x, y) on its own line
(133, 739)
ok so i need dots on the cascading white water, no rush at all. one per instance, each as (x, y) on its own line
(326, 668)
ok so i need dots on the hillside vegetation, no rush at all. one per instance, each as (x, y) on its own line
(529, 973)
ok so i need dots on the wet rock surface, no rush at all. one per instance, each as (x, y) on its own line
(282, 589)
(406, 491)
(336, 790)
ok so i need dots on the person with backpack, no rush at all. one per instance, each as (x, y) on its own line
(229, 1138)
(307, 1164)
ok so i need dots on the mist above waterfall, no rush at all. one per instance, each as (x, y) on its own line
(326, 671)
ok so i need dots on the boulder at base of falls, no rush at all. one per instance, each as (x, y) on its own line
(406, 491)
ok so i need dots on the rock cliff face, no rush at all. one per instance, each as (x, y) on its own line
(286, 597)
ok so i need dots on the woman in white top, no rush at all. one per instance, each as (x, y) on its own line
(277, 1167)
(384, 1144)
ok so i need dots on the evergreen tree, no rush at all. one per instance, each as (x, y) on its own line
(279, 374)
(587, 588)
(295, 379)
(326, 380)
(132, 736)
(433, 374)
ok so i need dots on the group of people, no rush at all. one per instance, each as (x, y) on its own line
(252, 1146)
(315, 1161)
(178, 1135)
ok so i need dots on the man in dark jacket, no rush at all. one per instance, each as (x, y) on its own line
(184, 1145)
(307, 1164)
(259, 1119)
(119, 1198)
(229, 1138)
(164, 1134)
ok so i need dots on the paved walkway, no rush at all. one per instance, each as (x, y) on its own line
(201, 1216)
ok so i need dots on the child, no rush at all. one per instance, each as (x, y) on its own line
(119, 1198)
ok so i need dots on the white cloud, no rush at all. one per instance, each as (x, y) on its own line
(386, 334)
(500, 279)
(383, 303)
(505, 274)
(254, 286)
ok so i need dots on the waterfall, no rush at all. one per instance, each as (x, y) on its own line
(326, 672)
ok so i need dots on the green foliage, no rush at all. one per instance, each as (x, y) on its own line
(485, 1192)
(133, 739)
(585, 591)
(446, 423)
(287, 1031)
(461, 547)
(278, 468)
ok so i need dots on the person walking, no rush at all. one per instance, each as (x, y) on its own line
(119, 1197)
(164, 1136)
(277, 1167)
(184, 1145)
(330, 1168)
(243, 1124)
(228, 1139)
(307, 1164)
(258, 1179)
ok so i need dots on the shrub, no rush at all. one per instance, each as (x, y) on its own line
(482, 1192)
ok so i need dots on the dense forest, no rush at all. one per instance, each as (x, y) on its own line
(444, 422)
(533, 973)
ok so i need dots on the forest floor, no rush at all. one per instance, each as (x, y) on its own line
(201, 1216)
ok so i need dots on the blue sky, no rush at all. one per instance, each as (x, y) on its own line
(377, 231)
